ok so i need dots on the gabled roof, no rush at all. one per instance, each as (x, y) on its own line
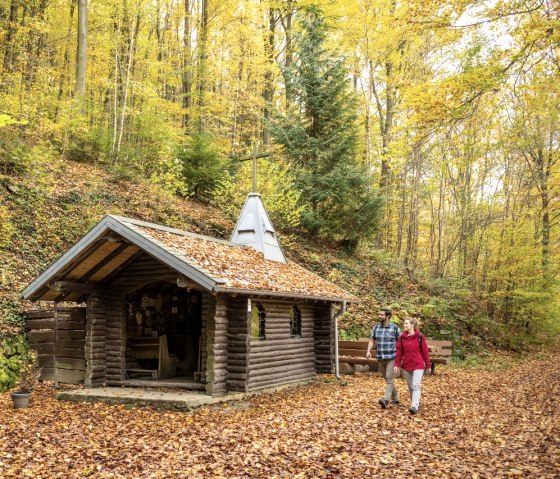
(215, 265)
(255, 229)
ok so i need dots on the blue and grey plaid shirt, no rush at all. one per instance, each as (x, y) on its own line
(386, 340)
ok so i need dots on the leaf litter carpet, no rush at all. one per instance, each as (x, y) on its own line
(473, 424)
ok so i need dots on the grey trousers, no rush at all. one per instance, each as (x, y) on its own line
(414, 381)
(386, 369)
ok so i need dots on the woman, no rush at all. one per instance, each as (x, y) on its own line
(413, 359)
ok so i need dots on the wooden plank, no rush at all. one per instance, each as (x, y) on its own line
(43, 348)
(71, 363)
(47, 374)
(360, 345)
(351, 352)
(46, 360)
(47, 323)
(289, 364)
(71, 353)
(364, 360)
(443, 352)
(40, 336)
(70, 377)
(444, 344)
(71, 343)
(70, 324)
(39, 314)
(279, 381)
(70, 334)
(71, 309)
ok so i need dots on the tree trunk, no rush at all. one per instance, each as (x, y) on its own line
(202, 46)
(286, 19)
(412, 232)
(64, 70)
(268, 92)
(129, 73)
(187, 64)
(7, 64)
(81, 60)
(116, 85)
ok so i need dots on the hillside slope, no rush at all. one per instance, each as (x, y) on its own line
(45, 211)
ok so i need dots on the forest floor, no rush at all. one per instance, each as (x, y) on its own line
(474, 423)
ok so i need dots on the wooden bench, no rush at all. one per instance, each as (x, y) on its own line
(354, 352)
(152, 349)
(440, 352)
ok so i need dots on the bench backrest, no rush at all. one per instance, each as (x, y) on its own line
(145, 348)
(439, 349)
(352, 348)
(359, 347)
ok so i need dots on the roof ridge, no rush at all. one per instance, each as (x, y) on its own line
(168, 229)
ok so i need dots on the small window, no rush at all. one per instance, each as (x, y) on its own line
(295, 321)
(258, 321)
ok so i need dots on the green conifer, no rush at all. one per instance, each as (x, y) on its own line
(319, 135)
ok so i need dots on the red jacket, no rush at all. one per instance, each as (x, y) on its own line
(409, 354)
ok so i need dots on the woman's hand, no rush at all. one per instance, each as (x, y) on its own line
(368, 354)
(396, 369)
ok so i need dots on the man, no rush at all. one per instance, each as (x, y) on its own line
(384, 336)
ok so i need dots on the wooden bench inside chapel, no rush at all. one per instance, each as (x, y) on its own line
(354, 352)
(155, 350)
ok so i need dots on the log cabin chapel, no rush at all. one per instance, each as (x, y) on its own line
(165, 307)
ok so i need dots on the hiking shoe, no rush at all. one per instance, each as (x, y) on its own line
(412, 410)
(396, 402)
(383, 403)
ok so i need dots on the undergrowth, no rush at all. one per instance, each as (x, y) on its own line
(46, 205)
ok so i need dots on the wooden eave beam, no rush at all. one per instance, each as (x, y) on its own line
(103, 262)
(184, 282)
(73, 287)
(124, 265)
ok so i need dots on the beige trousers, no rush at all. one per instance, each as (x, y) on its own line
(386, 369)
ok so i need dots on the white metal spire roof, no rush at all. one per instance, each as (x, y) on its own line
(255, 229)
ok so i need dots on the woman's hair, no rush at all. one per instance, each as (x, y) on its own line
(413, 321)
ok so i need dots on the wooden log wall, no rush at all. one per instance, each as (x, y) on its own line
(280, 358)
(239, 328)
(217, 346)
(323, 332)
(207, 307)
(116, 338)
(96, 337)
(141, 271)
(58, 337)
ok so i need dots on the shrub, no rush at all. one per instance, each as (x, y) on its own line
(29, 373)
(14, 349)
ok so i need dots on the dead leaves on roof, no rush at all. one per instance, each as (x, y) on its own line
(246, 268)
(473, 424)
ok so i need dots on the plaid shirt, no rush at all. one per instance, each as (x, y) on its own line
(386, 340)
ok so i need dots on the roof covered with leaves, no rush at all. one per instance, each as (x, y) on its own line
(239, 267)
(214, 264)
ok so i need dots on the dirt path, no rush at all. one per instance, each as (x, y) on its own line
(473, 424)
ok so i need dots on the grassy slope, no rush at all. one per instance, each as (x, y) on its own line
(50, 209)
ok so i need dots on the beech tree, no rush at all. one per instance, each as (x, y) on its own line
(81, 55)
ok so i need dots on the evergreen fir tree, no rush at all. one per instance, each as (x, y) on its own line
(201, 166)
(319, 135)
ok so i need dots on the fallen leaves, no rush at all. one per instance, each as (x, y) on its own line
(473, 424)
(246, 268)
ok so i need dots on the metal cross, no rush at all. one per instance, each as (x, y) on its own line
(254, 156)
